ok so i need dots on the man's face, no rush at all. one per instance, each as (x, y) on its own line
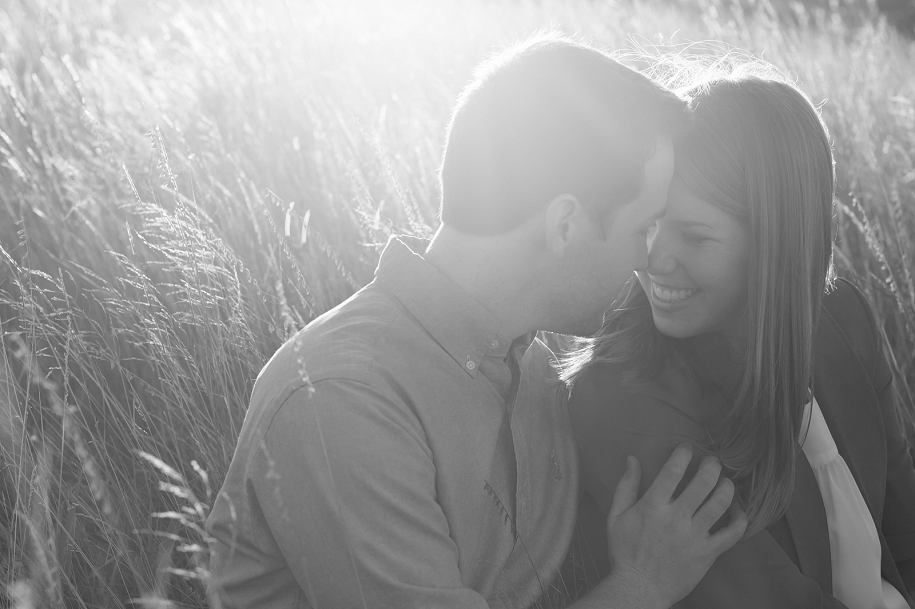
(602, 265)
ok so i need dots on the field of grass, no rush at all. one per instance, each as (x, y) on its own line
(183, 184)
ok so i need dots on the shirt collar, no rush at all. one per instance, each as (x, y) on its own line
(454, 319)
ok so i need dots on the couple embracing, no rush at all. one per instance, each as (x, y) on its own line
(724, 435)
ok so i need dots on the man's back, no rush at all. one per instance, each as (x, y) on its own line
(377, 466)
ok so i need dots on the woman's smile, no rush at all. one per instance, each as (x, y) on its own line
(667, 296)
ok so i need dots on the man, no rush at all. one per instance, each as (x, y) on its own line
(410, 448)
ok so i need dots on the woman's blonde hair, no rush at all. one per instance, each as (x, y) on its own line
(757, 148)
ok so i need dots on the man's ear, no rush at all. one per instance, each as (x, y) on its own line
(560, 222)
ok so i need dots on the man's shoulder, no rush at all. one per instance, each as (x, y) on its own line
(343, 343)
(341, 347)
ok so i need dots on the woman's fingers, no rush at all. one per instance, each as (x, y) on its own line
(627, 490)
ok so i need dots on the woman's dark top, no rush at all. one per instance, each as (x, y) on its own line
(787, 565)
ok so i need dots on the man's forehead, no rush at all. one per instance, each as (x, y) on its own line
(661, 163)
(659, 170)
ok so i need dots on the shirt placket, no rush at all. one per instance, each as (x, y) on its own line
(500, 376)
(519, 444)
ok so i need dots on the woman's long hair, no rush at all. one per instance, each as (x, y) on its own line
(756, 148)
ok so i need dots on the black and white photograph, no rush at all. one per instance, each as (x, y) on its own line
(457, 304)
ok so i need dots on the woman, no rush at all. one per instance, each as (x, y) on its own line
(737, 339)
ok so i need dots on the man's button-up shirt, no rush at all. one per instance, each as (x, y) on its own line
(399, 452)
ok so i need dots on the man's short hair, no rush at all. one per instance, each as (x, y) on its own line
(547, 117)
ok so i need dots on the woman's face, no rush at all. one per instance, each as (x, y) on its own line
(696, 279)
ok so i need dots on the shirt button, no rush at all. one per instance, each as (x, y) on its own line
(471, 364)
(494, 344)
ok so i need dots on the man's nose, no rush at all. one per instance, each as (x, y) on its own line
(661, 260)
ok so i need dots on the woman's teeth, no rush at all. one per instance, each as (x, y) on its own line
(668, 295)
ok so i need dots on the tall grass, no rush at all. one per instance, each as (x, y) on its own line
(185, 184)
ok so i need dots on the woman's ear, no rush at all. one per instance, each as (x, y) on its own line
(563, 215)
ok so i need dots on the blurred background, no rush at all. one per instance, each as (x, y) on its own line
(184, 184)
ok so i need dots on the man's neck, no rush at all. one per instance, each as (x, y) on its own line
(490, 269)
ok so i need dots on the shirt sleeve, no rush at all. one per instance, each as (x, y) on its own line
(898, 524)
(611, 422)
(346, 484)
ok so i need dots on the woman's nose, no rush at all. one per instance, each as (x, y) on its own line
(661, 260)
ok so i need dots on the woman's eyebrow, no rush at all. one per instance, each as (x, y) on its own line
(691, 224)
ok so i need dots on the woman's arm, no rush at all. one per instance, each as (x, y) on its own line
(610, 423)
(898, 524)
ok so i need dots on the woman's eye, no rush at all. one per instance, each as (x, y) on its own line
(696, 239)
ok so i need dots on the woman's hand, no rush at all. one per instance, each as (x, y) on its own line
(660, 547)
